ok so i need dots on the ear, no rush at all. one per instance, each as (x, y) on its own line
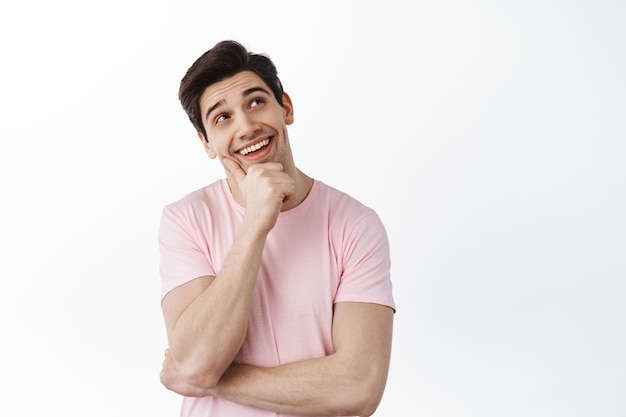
(207, 146)
(288, 108)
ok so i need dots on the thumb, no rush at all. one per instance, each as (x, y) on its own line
(234, 168)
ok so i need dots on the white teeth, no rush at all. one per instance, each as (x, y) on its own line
(246, 151)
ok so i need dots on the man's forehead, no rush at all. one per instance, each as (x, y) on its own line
(236, 84)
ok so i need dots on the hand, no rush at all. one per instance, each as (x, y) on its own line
(265, 187)
(173, 380)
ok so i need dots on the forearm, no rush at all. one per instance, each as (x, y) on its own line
(328, 386)
(210, 331)
(350, 381)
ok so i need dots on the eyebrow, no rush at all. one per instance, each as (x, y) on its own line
(221, 103)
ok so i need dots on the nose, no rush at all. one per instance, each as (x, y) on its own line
(246, 125)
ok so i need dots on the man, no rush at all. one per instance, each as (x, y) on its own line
(276, 290)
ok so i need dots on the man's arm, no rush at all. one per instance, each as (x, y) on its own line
(206, 319)
(351, 381)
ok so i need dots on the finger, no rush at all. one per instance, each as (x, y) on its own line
(234, 168)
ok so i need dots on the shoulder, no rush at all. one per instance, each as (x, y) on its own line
(199, 206)
(207, 195)
(343, 204)
(348, 219)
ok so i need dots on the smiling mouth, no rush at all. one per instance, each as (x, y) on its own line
(255, 147)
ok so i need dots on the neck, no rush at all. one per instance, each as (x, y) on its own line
(303, 187)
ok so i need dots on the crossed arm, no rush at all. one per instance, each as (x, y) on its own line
(350, 381)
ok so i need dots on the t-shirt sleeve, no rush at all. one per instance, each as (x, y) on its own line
(366, 266)
(182, 257)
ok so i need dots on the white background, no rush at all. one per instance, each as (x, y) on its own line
(488, 135)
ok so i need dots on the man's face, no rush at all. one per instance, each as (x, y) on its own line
(244, 121)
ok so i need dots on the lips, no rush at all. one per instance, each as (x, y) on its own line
(252, 148)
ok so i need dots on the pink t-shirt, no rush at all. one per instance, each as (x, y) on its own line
(329, 249)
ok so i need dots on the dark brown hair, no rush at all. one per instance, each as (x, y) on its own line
(224, 60)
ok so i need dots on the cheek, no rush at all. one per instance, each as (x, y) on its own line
(209, 148)
(220, 141)
(220, 148)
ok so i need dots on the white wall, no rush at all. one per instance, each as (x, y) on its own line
(488, 135)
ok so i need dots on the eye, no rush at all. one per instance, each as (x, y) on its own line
(221, 118)
(256, 102)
